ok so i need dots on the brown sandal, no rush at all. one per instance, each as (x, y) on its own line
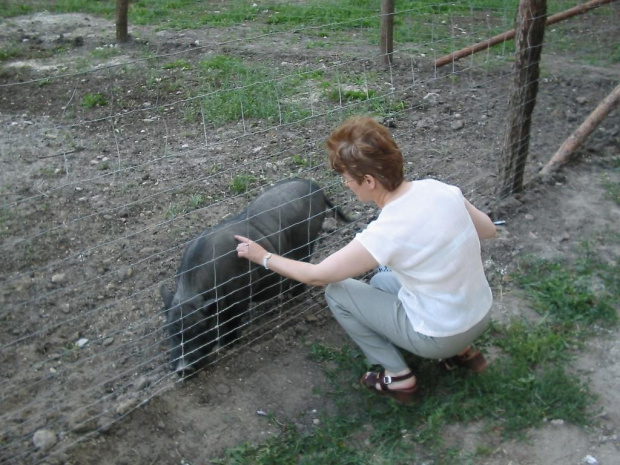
(403, 396)
(473, 360)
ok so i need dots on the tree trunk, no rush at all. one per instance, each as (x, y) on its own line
(122, 6)
(530, 31)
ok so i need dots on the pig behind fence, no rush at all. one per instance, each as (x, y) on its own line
(214, 287)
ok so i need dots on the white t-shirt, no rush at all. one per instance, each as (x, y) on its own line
(428, 239)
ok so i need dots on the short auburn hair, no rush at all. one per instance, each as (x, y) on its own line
(363, 146)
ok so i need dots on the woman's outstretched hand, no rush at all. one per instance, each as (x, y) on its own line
(250, 250)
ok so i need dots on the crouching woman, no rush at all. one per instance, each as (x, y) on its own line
(430, 296)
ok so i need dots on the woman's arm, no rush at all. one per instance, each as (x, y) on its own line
(350, 261)
(484, 226)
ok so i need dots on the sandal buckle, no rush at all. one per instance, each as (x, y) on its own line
(387, 379)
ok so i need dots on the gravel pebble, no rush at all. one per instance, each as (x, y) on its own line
(126, 406)
(141, 383)
(44, 439)
(222, 388)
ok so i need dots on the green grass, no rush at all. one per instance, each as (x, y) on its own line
(193, 202)
(423, 24)
(528, 383)
(299, 160)
(178, 64)
(415, 21)
(510, 397)
(232, 89)
(11, 51)
(103, 53)
(572, 295)
(612, 186)
(94, 100)
(336, 95)
(615, 53)
(6, 214)
(612, 190)
(241, 183)
(173, 211)
(190, 14)
(196, 201)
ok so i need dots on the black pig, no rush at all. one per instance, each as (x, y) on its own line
(214, 287)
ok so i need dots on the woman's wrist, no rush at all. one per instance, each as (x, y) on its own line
(266, 260)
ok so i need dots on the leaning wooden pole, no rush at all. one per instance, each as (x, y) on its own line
(576, 138)
(509, 35)
(530, 28)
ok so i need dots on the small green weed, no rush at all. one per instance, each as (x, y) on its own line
(317, 44)
(240, 183)
(615, 53)
(103, 53)
(94, 100)
(5, 216)
(612, 189)
(70, 352)
(178, 64)
(387, 107)
(350, 95)
(9, 53)
(82, 64)
(299, 160)
(192, 112)
(173, 211)
(46, 172)
(196, 201)
(482, 451)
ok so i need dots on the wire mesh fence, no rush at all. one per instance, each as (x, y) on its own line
(115, 159)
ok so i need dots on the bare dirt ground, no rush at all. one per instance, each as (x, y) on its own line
(94, 222)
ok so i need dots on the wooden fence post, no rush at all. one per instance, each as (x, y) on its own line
(122, 6)
(530, 31)
(387, 31)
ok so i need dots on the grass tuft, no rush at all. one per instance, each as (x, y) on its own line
(572, 294)
(94, 100)
(241, 183)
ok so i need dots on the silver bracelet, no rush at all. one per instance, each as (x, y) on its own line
(266, 259)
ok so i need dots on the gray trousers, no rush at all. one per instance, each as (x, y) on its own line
(375, 319)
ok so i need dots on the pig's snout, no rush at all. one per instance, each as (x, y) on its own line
(184, 370)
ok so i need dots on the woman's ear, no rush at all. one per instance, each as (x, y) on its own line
(369, 179)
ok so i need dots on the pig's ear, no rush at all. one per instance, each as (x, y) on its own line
(207, 306)
(210, 304)
(167, 296)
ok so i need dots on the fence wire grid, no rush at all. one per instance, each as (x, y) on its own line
(115, 158)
